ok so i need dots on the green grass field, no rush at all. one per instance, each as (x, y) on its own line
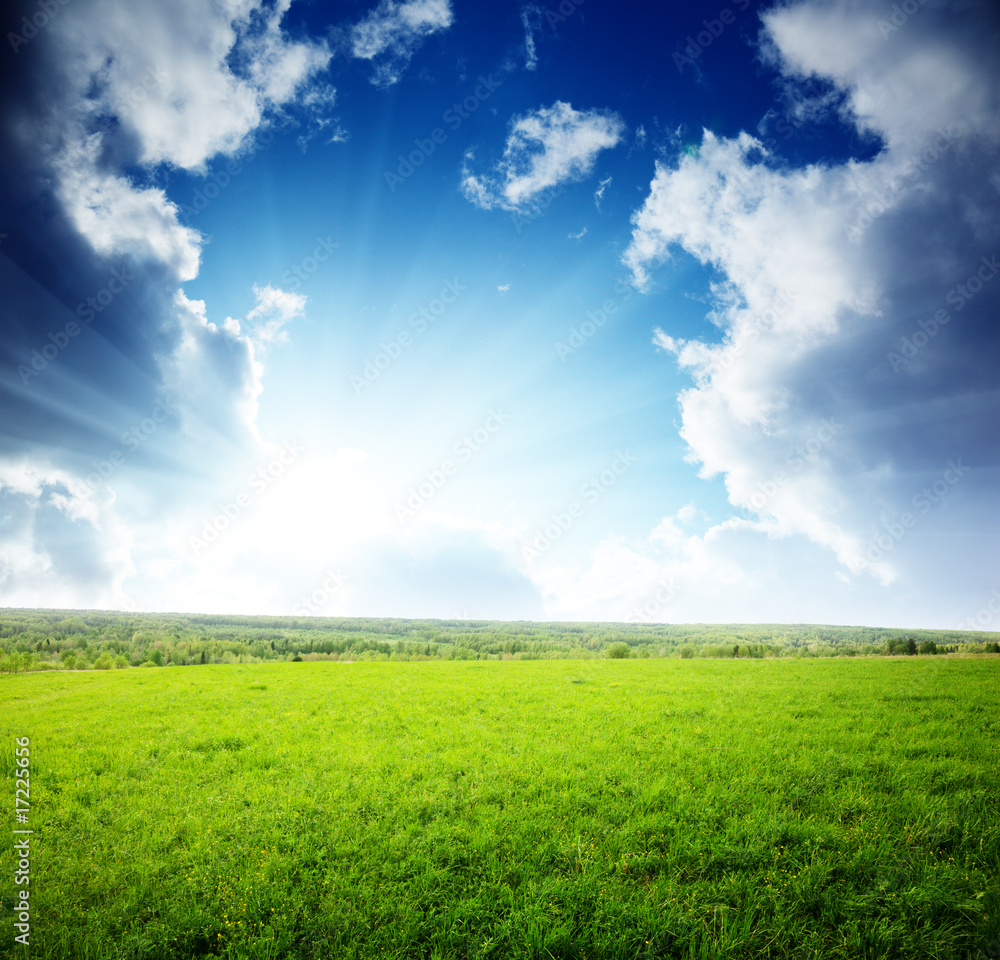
(627, 809)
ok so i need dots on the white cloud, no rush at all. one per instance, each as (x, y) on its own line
(339, 135)
(164, 70)
(932, 72)
(120, 219)
(687, 513)
(316, 103)
(529, 20)
(216, 375)
(544, 149)
(273, 309)
(185, 82)
(599, 192)
(64, 544)
(731, 571)
(391, 33)
(503, 288)
(189, 81)
(796, 407)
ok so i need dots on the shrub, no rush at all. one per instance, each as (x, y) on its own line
(928, 646)
(103, 662)
(15, 663)
(120, 662)
(618, 651)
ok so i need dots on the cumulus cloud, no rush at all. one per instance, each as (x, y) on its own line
(690, 569)
(730, 572)
(544, 149)
(825, 274)
(273, 309)
(209, 363)
(99, 103)
(63, 544)
(186, 80)
(120, 219)
(391, 33)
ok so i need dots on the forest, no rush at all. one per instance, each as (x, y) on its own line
(91, 639)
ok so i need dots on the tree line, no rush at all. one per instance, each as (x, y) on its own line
(106, 640)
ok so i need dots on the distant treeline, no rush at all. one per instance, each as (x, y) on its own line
(89, 639)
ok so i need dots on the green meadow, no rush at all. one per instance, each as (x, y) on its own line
(781, 808)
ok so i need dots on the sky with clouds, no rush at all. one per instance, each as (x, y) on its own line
(435, 308)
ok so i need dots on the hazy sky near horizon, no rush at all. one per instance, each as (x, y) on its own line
(441, 308)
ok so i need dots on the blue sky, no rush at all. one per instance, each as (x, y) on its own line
(432, 308)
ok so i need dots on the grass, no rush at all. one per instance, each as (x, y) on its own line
(587, 809)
